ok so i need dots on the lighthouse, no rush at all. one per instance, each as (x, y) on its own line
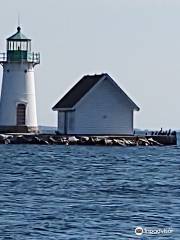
(18, 100)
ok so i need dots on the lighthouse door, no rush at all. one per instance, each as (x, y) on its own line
(21, 114)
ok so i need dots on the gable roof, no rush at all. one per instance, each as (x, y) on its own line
(127, 97)
(81, 88)
(78, 91)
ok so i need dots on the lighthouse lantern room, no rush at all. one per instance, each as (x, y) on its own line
(18, 101)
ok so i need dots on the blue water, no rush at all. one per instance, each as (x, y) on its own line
(83, 192)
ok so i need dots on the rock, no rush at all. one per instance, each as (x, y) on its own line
(153, 142)
(108, 142)
(84, 140)
(143, 142)
(37, 140)
(5, 139)
(3, 136)
(132, 143)
(72, 140)
(51, 140)
(95, 141)
(61, 141)
(2, 140)
(118, 142)
(20, 139)
(100, 141)
(127, 142)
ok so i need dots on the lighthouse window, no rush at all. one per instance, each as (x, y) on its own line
(15, 46)
(21, 114)
(18, 45)
(23, 46)
(10, 45)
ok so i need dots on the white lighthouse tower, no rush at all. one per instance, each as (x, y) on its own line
(18, 101)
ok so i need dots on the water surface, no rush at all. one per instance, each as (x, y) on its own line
(83, 192)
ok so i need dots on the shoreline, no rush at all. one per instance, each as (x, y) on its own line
(53, 139)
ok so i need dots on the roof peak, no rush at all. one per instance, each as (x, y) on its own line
(95, 74)
(100, 75)
(18, 36)
(18, 28)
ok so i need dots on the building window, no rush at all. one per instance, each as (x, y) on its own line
(21, 114)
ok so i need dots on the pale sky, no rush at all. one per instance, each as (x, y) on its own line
(137, 42)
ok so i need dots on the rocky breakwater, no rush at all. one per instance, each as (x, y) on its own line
(123, 141)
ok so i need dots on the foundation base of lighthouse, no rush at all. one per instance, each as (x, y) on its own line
(18, 129)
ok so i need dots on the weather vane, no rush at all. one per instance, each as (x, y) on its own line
(18, 19)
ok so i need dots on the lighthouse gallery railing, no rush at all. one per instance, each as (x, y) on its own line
(29, 57)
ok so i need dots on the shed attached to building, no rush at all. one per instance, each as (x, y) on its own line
(96, 105)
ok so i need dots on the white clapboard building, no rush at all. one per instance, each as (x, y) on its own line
(96, 105)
